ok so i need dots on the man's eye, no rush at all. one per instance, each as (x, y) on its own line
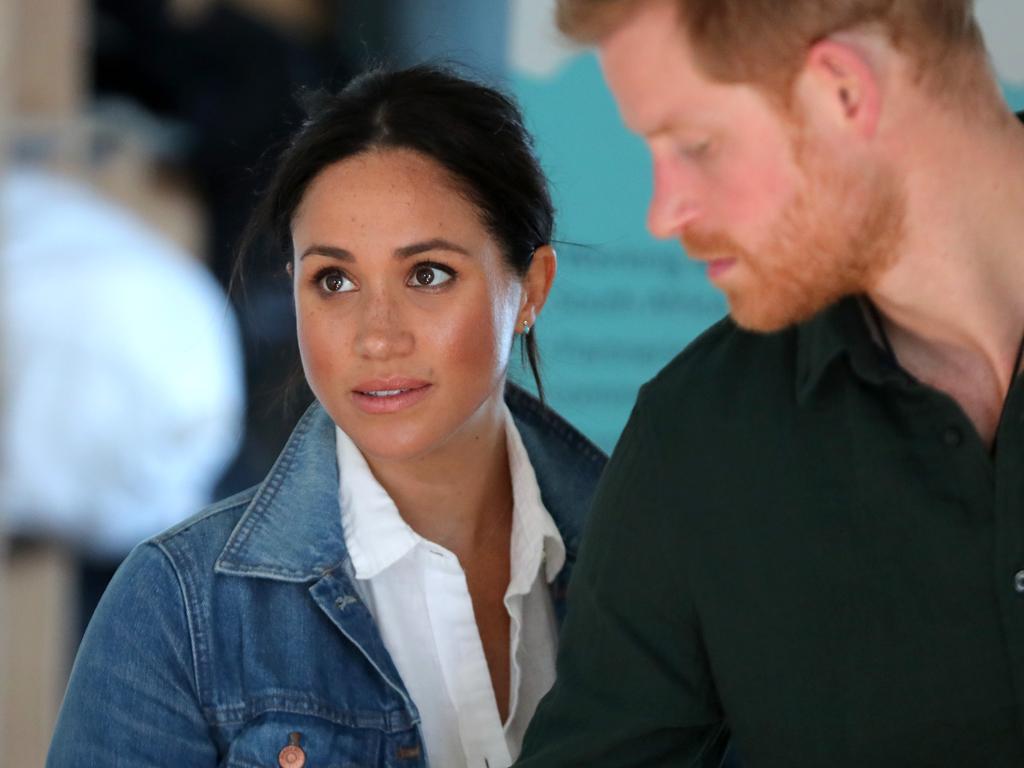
(695, 150)
(429, 276)
(335, 282)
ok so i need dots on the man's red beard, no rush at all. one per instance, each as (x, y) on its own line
(841, 231)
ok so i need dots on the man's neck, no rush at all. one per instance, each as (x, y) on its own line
(953, 303)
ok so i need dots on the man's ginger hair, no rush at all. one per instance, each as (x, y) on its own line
(764, 42)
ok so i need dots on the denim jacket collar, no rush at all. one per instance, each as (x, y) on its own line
(272, 541)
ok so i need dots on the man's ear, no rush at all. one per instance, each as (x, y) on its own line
(839, 87)
(537, 284)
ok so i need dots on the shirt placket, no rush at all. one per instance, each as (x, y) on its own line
(1009, 537)
(463, 662)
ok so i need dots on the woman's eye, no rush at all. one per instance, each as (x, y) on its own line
(335, 282)
(429, 276)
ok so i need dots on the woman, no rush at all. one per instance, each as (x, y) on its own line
(390, 594)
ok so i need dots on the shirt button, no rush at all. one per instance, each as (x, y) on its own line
(952, 436)
(1018, 582)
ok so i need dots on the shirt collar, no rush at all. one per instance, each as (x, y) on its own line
(377, 536)
(536, 541)
(840, 330)
(375, 533)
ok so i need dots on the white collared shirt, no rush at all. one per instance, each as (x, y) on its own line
(417, 593)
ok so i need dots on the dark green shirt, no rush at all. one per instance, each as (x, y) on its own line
(798, 546)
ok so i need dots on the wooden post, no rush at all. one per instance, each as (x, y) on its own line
(6, 18)
(38, 619)
(42, 74)
(49, 47)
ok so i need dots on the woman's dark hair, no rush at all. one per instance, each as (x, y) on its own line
(475, 132)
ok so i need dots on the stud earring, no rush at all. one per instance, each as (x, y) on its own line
(526, 328)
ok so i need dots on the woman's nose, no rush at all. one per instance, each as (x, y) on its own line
(382, 332)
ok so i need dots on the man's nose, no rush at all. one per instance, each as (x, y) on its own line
(674, 200)
(382, 331)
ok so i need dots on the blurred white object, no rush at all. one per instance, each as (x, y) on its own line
(536, 47)
(123, 371)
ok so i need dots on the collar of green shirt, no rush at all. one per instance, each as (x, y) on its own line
(837, 332)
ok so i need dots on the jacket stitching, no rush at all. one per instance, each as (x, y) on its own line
(196, 636)
(239, 714)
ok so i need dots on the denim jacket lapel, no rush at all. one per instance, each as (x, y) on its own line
(336, 596)
(291, 531)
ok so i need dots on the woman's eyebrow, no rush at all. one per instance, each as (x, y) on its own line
(328, 250)
(435, 244)
(405, 252)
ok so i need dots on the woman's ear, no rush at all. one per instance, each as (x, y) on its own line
(537, 285)
(289, 269)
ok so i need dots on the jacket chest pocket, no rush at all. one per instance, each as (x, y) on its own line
(284, 740)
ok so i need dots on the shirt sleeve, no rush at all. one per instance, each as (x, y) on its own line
(634, 686)
(131, 700)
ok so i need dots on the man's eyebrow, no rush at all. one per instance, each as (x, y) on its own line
(665, 125)
(327, 250)
(692, 120)
(435, 244)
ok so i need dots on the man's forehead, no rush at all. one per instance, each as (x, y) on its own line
(649, 68)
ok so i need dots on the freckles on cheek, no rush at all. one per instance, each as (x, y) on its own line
(320, 354)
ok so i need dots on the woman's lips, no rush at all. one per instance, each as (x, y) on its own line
(389, 395)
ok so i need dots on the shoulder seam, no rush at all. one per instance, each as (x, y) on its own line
(189, 620)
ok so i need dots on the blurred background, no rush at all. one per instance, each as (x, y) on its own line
(136, 135)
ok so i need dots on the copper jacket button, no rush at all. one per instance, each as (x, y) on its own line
(292, 756)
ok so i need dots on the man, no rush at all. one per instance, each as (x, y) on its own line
(810, 539)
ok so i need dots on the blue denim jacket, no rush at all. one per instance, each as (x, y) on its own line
(239, 631)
